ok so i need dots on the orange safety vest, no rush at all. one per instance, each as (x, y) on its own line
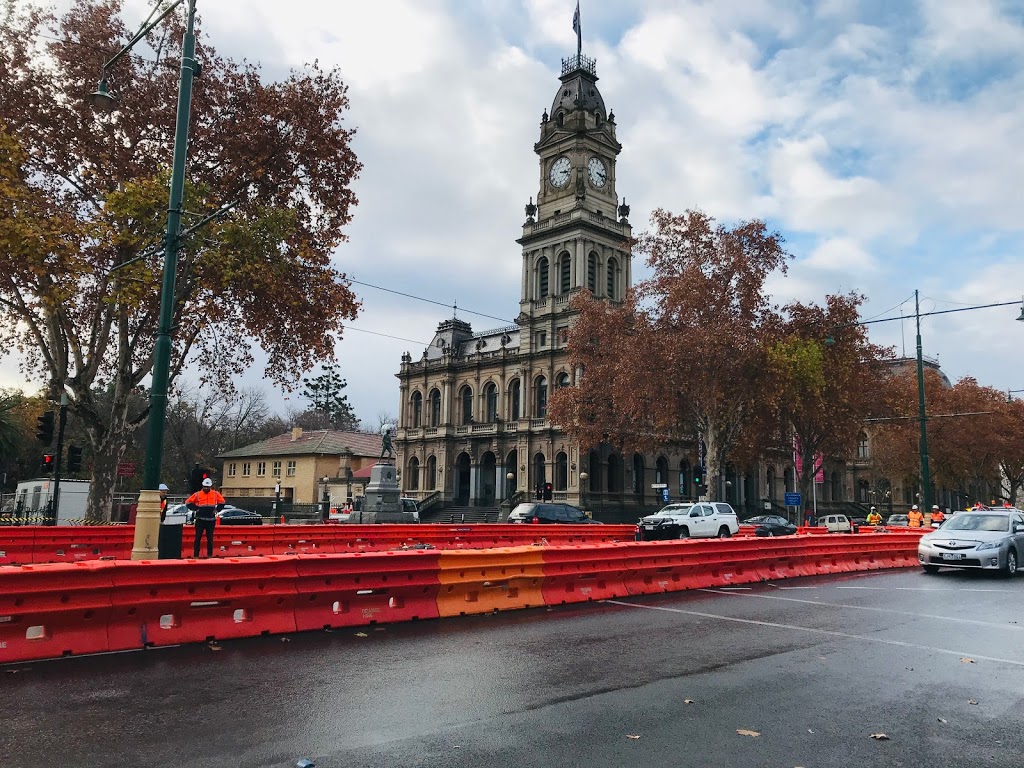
(938, 517)
(205, 498)
(914, 518)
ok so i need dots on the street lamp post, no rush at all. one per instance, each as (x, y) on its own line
(583, 489)
(147, 520)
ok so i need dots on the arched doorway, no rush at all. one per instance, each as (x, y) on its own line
(511, 465)
(488, 480)
(539, 472)
(462, 480)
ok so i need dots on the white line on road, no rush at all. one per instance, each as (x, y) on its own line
(816, 631)
(929, 589)
(976, 622)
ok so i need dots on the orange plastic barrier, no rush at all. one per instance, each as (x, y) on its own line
(492, 580)
(48, 611)
(165, 602)
(17, 545)
(360, 589)
(576, 574)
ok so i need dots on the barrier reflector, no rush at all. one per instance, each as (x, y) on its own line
(164, 602)
(493, 580)
(48, 611)
(365, 588)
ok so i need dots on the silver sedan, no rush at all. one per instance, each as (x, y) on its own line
(990, 539)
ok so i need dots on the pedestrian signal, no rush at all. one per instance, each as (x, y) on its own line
(48, 463)
(74, 458)
(548, 492)
(44, 428)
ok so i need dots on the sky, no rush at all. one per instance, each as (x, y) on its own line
(881, 139)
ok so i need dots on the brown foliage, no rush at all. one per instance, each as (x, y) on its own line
(92, 195)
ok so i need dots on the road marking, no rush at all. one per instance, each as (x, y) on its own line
(929, 589)
(976, 622)
(816, 631)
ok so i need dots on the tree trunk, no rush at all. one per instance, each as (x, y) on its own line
(714, 461)
(107, 454)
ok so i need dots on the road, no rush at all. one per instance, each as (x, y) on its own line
(814, 666)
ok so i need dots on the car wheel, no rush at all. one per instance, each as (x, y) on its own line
(1011, 563)
(771, 533)
(931, 569)
(723, 533)
(684, 532)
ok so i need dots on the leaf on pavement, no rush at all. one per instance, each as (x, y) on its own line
(879, 737)
(809, 730)
(361, 634)
(214, 647)
(941, 720)
(687, 701)
(971, 701)
(745, 732)
(632, 736)
(965, 660)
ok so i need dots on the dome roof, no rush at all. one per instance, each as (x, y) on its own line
(578, 89)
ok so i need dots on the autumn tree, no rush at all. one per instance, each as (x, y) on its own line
(829, 379)
(1009, 437)
(84, 206)
(684, 357)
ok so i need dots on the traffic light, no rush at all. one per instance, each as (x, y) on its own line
(196, 477)
(74, 458)
(547, 491)
(698, 476)
(44, 428)
(47, 463)
(539, 494)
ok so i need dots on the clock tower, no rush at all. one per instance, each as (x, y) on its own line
(576, 237)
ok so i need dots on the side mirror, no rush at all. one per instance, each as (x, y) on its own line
(1018, 528)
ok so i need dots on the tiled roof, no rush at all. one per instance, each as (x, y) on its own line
(360, 474)
(320, 442)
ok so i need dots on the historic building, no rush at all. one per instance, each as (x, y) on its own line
(473, 424)
(473, 428)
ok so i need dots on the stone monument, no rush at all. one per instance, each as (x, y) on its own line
(382, 502)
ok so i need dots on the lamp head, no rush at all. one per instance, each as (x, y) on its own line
(101, 100)
(830, 341)
(1020, 318)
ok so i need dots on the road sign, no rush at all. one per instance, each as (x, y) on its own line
(659, 486)
(793, 500)
(126, 469)
(664, 495)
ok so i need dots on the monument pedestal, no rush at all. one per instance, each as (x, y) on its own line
(382, 502)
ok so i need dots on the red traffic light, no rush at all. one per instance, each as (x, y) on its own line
(48, 463)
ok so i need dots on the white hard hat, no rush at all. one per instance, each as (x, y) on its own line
(872, 509)
(208, 483)
(935, 506)
(914, 507)
(163, 487)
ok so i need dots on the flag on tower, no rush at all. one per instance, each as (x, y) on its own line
(577, 29)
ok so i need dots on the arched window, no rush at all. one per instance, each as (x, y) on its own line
(638, 473)
(661, 470)
(541, 411)
(431, 479)
(539, 471)
(561, 472)
(613, 270)
(835, 487)
(787, 479)
(435, 408)
(466, 398)
(560, 119)
(514, 391)
(413, 474)
(769, 483)
(614, 474)
(592, 272)
(542, 277)
(417, 410)
(684, 478)
(564, 272)
(863, 491)
(562, 380)
(491, 403)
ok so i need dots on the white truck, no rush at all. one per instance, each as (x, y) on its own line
(704, 519)
(32, 500)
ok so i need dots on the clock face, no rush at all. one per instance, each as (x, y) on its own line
(560, 170)
(597, 172)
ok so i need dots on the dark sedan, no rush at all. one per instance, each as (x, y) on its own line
(236, 516)
(771, 525)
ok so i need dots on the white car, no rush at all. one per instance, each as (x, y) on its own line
(704, 519)
(989, 539)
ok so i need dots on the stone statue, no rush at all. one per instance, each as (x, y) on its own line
(385, 432)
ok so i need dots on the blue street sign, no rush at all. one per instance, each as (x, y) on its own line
(664, 495)
(793, 500)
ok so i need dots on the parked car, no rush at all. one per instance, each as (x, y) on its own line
(898, 521)
(705, 519)
(836, 523)
(413, 506)
(991, 539)
(236, 516)
(771, 525)
(534, 512)
(230, 515)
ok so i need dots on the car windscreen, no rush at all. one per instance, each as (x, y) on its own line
(978, 523)
(675, 509)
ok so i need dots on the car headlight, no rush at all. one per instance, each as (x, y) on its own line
(990, 545)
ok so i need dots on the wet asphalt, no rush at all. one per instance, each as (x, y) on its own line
(812, 666)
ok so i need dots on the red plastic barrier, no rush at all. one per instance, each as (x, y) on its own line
(165, 602)
(576, 574)
(59, 544)
(360, 589)
(54, 610)
(17, 545)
